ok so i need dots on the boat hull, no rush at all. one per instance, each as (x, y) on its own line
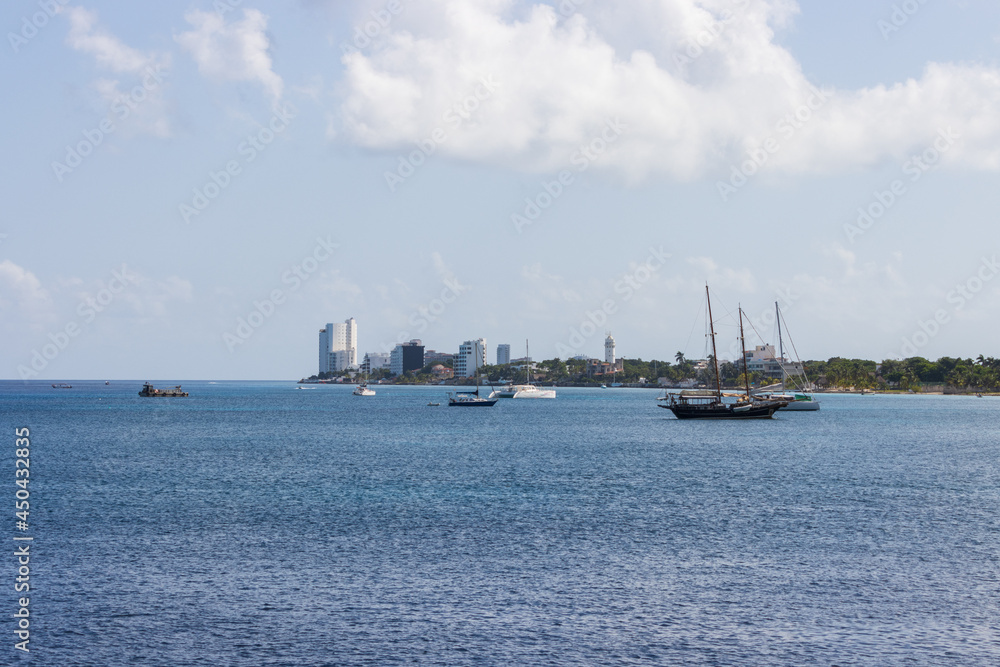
(479, 403)
(794, 405)
(536, 393)
(722, 412)
(801, 406)
(523, 391)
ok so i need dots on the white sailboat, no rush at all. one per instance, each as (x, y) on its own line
(798, 401)
(524, 390)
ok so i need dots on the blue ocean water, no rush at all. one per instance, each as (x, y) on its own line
(263, 524)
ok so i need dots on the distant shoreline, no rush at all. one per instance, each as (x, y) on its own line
(585, 385)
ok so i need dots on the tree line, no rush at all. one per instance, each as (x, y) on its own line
(980, 374)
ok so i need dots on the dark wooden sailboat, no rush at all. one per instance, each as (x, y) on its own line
(710, 404)
(471, 399)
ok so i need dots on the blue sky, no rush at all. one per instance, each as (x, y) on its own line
(492, 168)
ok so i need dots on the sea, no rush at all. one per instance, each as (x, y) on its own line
(270, 523)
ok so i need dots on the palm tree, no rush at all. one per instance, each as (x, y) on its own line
(679, 357)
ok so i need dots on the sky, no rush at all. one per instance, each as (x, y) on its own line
(192, 190)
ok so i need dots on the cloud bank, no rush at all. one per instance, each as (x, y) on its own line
(701, 85)
(235, 51)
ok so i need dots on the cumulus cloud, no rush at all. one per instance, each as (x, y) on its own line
(236, 51)
(726, 278)
(143, 103)
(697, 83)
(22, 296)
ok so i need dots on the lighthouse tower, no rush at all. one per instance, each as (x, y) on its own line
(609, 349)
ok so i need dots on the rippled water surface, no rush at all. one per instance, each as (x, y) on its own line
(262, 524)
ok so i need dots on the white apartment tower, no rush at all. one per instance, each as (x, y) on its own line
(609, 349)
(338, 346)
(503, 354)
(468, 353)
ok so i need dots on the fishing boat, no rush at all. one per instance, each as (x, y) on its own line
(798, 401)
(363, 389)
(710, 404)
(471, 399)
(527, 390)
(150, 390)
(62, 386)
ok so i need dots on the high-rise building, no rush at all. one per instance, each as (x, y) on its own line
(503, 354)
(471, 355)
(407, 357)
(338, 346)
(609, 349)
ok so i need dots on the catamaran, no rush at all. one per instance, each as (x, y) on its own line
(528, 390)
(798, 401)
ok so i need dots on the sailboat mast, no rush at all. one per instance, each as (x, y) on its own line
(743, 346)
(715, 355)
(527, 353)
(781, 345)
(475, 349)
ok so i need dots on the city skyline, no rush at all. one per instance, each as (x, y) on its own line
(189, 184)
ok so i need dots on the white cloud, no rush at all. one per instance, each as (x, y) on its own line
(85, 35)
(692, 104)
(545, 291)
(726, 279)
(23, 299)
(150, 300)
(142, 101)
(232, 52)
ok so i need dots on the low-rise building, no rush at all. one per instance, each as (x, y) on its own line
(434, 357)
(442, 372)
(598, 367)
(374, 361)
(764, 359)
